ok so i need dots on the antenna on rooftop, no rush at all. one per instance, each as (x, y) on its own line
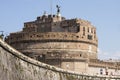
(51, 4)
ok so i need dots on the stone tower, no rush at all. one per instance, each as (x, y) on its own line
(65, 43)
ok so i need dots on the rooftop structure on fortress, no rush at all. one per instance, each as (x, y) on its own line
(66, 43)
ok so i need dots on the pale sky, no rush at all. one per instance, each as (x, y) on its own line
(103, 14)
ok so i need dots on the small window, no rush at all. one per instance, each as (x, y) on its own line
(77, 28)
(91, 30)
(88, 29)
(30, 36)
(83, 28)
(77, 36)
(90, 37)
(80, 55)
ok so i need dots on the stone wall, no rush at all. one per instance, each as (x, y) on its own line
(16, 66)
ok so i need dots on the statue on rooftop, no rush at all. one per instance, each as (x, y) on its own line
(58, 8)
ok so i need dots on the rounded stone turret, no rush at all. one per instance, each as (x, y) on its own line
(55, 41)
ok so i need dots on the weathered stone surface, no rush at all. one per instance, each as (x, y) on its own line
(16, 66)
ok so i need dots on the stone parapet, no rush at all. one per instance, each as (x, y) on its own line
(49, 36)
(103, 64)
(16, 66)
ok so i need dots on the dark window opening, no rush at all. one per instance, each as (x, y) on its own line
(41, 58)
(91, 30)
(80, 55)
(88, 29)
(77, 36)
(83, 28)
(90, 37)
(78, 29)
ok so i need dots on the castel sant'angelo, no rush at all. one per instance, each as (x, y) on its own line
(66, 43)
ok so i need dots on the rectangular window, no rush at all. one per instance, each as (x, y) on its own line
(88, 30)
(90, 37)
(83, 28)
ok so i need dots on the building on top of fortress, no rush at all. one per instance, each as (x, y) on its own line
(66, 43)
